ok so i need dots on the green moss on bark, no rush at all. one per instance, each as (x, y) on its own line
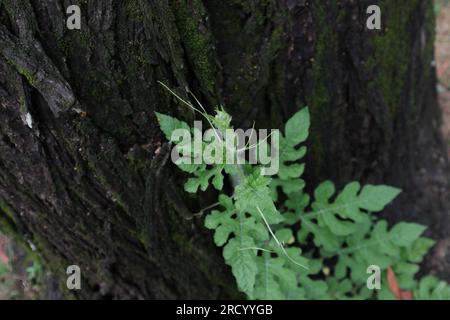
(190, 18)
(392, 54)
(320, 100)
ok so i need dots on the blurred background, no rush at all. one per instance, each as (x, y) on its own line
(443, 63)
(21, 275)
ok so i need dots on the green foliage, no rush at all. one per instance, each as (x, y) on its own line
(202, 174)
(338, 236)
(431, 288)
(169, 124)
(4, 269)
(34, 271)
(296, 132)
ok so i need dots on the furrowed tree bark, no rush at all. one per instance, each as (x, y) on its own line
(85, 173)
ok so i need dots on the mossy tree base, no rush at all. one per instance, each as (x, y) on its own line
(89, 182)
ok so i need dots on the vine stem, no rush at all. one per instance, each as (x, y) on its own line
(237, 177)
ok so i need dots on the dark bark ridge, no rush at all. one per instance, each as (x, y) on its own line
(84, 174)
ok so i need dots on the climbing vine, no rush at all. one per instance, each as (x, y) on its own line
(282, 243)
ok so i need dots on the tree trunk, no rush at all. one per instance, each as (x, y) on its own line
(84, 172)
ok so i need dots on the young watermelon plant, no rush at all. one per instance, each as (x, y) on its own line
(282, 243)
